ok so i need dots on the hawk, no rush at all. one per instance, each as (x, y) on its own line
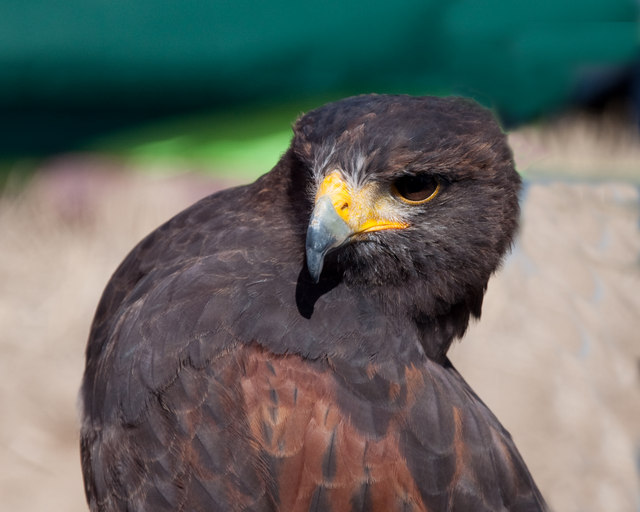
(282, 346)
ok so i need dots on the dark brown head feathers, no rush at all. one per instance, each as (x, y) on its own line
(439, 268)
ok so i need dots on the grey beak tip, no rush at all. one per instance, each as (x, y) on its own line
(315, 260)
(326, 231)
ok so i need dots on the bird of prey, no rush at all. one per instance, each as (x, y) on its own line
(282, 346)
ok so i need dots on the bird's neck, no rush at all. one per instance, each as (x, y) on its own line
(437, 324)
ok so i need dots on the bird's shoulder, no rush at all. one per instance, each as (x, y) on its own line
(181, 285)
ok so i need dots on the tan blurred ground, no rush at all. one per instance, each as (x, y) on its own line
(556, 355)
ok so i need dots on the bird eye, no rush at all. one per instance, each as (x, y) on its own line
(416, 189)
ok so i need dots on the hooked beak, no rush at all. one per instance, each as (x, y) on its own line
(326, 231)
(341, 212)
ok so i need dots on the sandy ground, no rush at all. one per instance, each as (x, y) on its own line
(556, 354)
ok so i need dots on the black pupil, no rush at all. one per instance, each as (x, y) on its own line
(416, 188)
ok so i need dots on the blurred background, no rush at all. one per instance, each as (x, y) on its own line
(116, 115)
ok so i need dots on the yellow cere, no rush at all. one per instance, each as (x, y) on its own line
(363, 209)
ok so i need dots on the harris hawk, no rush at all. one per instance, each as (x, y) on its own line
(281, 346)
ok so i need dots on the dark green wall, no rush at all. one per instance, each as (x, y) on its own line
(97, 63)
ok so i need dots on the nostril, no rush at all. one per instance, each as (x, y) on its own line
(344, 206)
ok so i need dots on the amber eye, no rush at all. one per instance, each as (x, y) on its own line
(417, 189)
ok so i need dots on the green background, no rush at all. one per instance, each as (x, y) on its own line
(163, 77)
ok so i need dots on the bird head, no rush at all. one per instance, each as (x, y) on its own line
(413, 196)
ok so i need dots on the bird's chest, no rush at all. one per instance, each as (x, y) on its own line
(330, 443)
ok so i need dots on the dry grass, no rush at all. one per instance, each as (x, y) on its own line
(555, 355)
